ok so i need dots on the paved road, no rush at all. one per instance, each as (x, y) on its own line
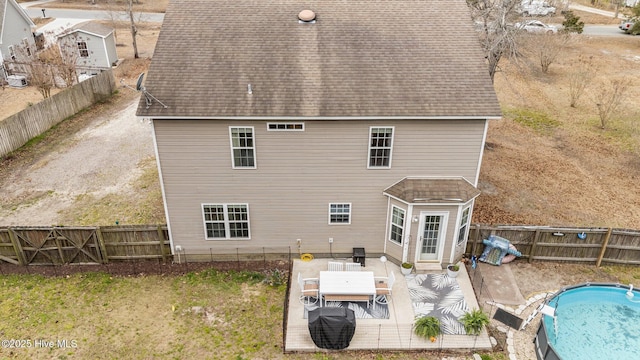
(594, 10)
(34, 9)
(603, 30)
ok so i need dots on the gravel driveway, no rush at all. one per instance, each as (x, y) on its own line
(102, 158)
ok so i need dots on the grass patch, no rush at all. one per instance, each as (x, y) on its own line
(625, 274)
(538, 121)
(145, 207)
(209, 314)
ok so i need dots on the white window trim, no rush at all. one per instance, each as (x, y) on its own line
(391, 224)
(339, 223)
(255, 157)
(226, 221)
(460, 224)
(86, 49)
(393, 135)
(285, 123)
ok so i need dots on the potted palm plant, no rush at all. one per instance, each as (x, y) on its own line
(406, 268)
(474, 321)
(427, 327)
(452, 270)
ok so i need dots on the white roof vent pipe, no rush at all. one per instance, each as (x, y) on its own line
(307, 17)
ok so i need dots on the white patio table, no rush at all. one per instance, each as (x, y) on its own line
(347, 286)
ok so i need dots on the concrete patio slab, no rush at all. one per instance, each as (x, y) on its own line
(501, 284)
(395, 333)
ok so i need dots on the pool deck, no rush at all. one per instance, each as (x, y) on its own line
(395, 333)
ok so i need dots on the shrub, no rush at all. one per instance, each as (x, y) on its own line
(474, 321)
(572, 22)
(427, 327)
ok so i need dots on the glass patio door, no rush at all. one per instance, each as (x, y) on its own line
(430, 236)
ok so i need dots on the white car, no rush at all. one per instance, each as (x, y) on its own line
(537, 27)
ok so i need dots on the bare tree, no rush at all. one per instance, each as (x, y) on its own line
(549, 47)
(609, 97)
(497, 37)
(42, 77)
(67, 60)
(580, 78)
(134, 30)
(36, 69)
(114, 9)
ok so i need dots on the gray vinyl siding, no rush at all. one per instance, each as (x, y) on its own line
(110, 48)
(97, 54)
(15, 29)
(299, 173)
(393, 249)
(99, 57)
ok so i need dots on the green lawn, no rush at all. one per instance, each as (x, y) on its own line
(208, 314)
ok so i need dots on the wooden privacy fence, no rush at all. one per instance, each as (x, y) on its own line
(584, 245)
(18, 129)
(101, 245)
(83, 245)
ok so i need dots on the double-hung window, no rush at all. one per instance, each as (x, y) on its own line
(83, 49)
(226, 221)
(242, 147)
(464, 225)
(339, 213)
(397, 225)
(380, 146)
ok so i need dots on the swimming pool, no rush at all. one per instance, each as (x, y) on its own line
(592, 321)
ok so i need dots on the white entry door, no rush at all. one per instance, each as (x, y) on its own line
(431, 236)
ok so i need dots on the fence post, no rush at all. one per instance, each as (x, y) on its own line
(17, 248)
(103, 248)
(604, 247)
(161, 238)
(475, 239)
(533, 245)
(57, 239)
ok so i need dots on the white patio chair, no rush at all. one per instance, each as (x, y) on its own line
(308, 290)
(384, 286)
(352, 266)
(336, 266)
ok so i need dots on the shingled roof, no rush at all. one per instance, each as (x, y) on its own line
(93, 28)
(422, 190)
(358, 59)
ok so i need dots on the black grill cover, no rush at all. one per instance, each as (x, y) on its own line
(332, 327)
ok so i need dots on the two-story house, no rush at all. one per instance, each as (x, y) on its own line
(326, 124)
(16, 33)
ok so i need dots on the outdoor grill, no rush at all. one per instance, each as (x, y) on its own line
(332, 328)
(359, 255)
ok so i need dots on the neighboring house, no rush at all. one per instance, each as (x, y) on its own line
(16, 31)
(92, 43)
(361, 125)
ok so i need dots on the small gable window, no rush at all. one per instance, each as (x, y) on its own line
(285, 126)
(82, 48)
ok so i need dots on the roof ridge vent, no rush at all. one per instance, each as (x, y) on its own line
(307, 16)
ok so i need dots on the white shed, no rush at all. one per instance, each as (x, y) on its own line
(95, 45)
